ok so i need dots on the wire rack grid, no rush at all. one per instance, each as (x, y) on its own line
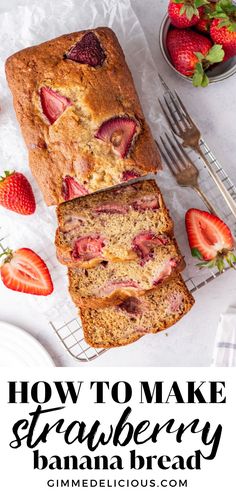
(69, 328)
(71, 333)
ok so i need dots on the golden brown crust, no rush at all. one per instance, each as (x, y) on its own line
(68, 147)
(107, 327)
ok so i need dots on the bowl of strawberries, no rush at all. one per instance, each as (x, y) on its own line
(198, 39)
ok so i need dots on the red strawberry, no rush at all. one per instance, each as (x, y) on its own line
(130, 174)
(87, 51)
(192, 54)
(16, 193)
(53, 104)
(210, 239)
(111, 208)
(72, 189)
(223, 27)
(88, 247)
(185, 13)
(204, 23)
(119, 132)
(24, 271)
(150, 202)
(143, 244)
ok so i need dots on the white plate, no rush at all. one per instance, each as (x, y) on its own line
(18, 348)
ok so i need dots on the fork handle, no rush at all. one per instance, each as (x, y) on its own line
(226, 195)
(204, 198)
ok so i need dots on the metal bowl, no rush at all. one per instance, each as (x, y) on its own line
(217, 73)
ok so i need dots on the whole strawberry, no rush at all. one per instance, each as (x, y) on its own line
(185, 13)
(16, 193)
(192, 54)
(223, 27)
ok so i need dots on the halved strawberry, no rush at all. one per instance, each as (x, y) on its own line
(72, 189)
(210, 239)
(111, 208)
(143, 244)
(87, 51)
(24, 271)
(119, 132)
(130, 174)
(150, 202)
(88, 247)
(53, 104)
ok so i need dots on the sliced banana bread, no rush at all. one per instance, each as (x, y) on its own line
(119, 224)
(111, 283)
(137, 316)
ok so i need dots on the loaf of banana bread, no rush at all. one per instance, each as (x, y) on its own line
(111, 283)
(80, 115)
(120, 224)
(137, 316)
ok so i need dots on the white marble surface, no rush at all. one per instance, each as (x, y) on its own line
(190, 343)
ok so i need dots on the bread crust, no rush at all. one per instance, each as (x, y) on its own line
(68, 147)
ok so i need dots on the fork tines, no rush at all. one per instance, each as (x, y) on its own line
(173, 153)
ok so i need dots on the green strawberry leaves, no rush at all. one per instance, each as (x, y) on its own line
(190, 7)
(196, 253)
(198, 76)
(7, 173)
(218, 262)
(214, 56)
(225, 10)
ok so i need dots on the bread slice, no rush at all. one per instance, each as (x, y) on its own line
(137, 316)
(111, 283)
(120, 224)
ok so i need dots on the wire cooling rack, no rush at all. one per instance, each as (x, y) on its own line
(69, 329)
(70, 333)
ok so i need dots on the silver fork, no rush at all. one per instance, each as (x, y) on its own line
(183, 126)
(182, 167)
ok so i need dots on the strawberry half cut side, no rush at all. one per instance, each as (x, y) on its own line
(24, 271)
(53, 104)
(119, 132)
(210, 239)
(71, 189)
(87, 51)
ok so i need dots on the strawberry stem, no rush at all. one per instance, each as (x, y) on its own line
(6, 174)
(8, 255)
